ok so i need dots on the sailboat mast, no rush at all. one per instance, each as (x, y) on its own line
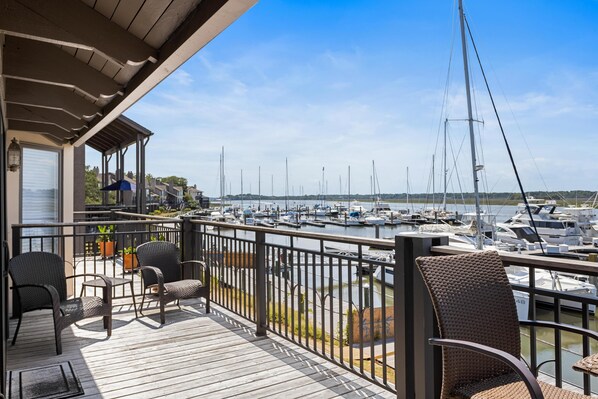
(259, 188)
(433, 185)
(444, 168)
(222, 182)
(479, 241)
(323, 191)
(286, 185)
(349, 189)
(241, 190)
(407, 189)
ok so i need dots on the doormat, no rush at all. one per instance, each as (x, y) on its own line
(57, 381)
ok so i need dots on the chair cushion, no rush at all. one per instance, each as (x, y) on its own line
(588, 365)
(81, 308)
(509, 386)
(184, 289)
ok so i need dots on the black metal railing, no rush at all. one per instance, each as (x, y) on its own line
(317, 290)
(367, 311)
(99, 247)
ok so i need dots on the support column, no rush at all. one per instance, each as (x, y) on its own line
(140, 195)
(418, 364)
(105, 172)
(4, 255)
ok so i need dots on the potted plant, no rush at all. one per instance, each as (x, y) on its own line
(129, 258)
(105, 240)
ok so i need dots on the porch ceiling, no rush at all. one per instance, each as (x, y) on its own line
(70, 67)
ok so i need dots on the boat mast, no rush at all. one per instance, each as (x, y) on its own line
(286, 185)
(407, 189)
(349, 190)
(444, 168)
(323, 198)
(433, 184)
(241, 190)
(222, 182)
(259, 187)
(475, 167)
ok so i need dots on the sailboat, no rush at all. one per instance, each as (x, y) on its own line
(374, 217)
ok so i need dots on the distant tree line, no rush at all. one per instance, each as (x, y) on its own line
(562, 197)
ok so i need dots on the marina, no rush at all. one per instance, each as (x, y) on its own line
(385, 197)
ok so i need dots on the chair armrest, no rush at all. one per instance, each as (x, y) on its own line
(204, 265)
(159, 276)
(94, 275)
(516, 364)
(557, 326)
(50, 289)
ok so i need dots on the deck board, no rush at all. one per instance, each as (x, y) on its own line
(194, 354)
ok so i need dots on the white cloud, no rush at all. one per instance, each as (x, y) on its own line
(333, 110)
(182, 77)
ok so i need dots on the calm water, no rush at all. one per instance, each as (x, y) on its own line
(571, 343)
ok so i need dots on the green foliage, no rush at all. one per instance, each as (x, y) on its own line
(93, 195)
(106, 233)
(159, 237)
(129, 250)
(177, 181)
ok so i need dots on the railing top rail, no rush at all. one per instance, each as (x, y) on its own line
(388, 244)
(101, 222)
(537, 261)
(141, 215)
(92, 212)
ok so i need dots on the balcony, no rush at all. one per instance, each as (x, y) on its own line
(331, 328)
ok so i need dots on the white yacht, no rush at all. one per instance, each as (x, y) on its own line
(521, 298)
(374, 220)
(555, 282)
(555, 227)
(519, 234)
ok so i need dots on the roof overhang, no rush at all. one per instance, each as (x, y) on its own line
(118, 134)
(71, 67)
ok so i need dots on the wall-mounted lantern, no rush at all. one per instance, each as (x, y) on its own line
(14, 155)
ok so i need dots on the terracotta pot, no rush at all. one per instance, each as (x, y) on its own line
(107, 248)
(130, 261)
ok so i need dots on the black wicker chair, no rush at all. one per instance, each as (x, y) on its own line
(162, 271)
(479, 329)
(40, 283)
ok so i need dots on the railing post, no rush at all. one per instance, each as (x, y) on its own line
(260, 283)
(187, 244)
(16, 241)
(16, 250)
(418, 365)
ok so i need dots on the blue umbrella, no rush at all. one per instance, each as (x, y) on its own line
(119, 185)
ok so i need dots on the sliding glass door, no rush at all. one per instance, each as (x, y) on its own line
(40, 197)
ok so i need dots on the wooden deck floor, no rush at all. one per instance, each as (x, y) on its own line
(194, 354)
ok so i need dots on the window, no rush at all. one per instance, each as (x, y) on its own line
(40, 197)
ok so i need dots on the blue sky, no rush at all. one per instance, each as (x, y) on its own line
(338, 83)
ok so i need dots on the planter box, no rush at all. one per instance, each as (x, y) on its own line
(130, 261)
(107, 248)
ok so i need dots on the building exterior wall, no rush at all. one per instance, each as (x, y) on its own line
(13, 189)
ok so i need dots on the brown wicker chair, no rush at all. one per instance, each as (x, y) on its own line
(40, 283)
(479, 329)
(162, 270)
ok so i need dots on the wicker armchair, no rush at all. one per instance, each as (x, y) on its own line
(479, 329)
(162, 270)
(40, 283)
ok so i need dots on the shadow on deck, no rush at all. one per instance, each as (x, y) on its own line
(194, 354)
